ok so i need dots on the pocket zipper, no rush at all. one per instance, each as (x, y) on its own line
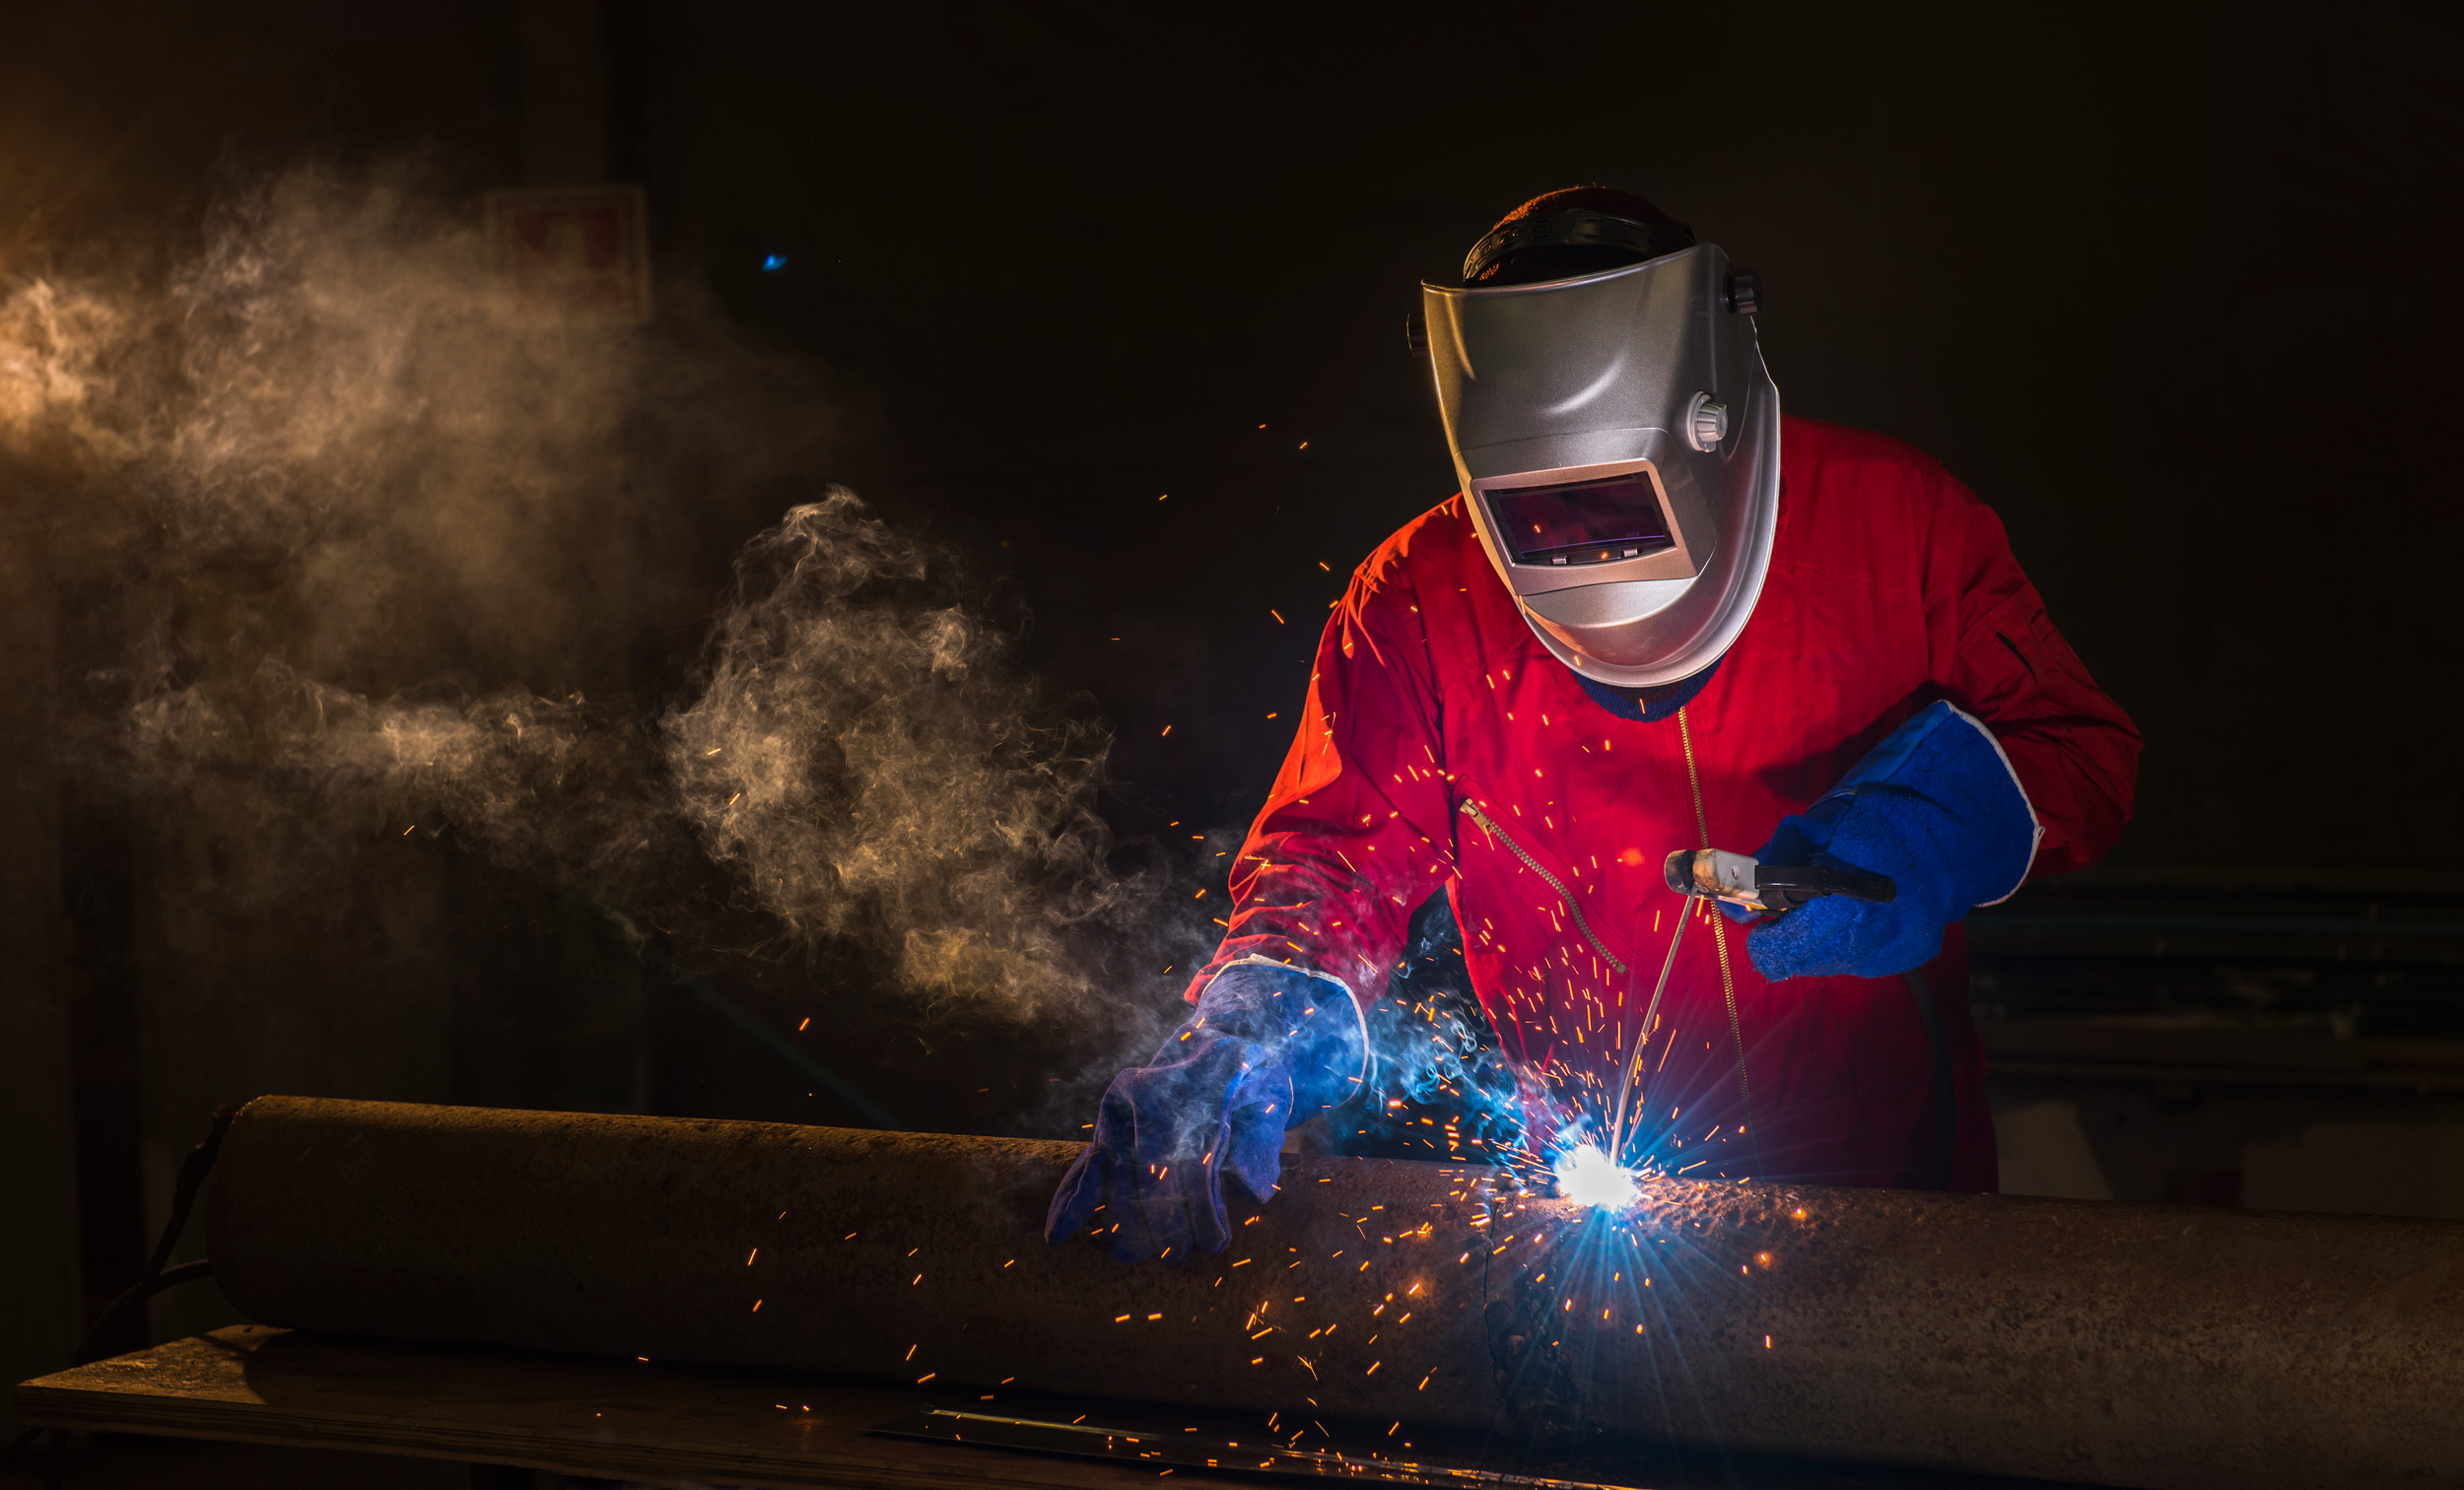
(1497, 830)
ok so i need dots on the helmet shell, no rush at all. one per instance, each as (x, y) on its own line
(1551, 391)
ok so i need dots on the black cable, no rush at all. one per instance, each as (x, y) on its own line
(95, 1346)
(156, 1277)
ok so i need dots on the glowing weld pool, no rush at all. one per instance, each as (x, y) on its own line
(1587, 1176)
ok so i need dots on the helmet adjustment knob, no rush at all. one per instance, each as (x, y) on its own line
(1706, 422)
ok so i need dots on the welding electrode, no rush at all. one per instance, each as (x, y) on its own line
(1740, 880)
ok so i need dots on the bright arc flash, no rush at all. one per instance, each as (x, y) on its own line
(1587, 1176)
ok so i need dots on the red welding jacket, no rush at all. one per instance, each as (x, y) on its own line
(1443, 746)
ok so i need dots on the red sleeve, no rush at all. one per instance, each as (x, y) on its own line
(2075, 751)
(1358, 829)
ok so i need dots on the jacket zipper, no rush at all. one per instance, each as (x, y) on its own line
(1497, 830)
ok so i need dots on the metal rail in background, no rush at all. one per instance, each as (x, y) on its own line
(2345, 929)
(2245, 952)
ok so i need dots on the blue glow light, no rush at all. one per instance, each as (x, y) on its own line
(774, 262)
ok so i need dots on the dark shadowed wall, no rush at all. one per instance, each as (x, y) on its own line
(2172, 287)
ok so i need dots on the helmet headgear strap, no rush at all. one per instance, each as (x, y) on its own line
(1574, 227)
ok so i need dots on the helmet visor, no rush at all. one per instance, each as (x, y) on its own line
(1598, 522)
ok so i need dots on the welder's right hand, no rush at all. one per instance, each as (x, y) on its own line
(1269, 1045)
(1938, 809)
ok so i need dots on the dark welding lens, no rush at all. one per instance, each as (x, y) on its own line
(1582, 521)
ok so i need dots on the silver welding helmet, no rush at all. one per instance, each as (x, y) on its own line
(1617, 437)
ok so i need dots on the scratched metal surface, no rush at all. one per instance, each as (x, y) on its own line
(2132, 1345)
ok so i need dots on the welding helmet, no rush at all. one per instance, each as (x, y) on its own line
(1617, 439)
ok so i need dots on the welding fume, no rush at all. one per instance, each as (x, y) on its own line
(1659, 621)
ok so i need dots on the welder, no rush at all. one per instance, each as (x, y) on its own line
(1656, 616)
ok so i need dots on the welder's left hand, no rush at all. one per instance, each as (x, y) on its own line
(1268, 1045)
(1937, 808)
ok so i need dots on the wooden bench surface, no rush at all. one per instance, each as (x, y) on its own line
(578, 1415)
(702, 1425)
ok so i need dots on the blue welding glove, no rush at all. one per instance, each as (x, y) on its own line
(1937, 808)
(1268, 1045)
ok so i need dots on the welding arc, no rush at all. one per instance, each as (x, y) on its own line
(1642, 1041)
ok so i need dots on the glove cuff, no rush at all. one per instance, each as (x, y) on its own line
(1948, 757)
(2019, 788)
(1308, 1018)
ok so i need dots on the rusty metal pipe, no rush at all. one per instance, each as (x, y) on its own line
(2125, 1344)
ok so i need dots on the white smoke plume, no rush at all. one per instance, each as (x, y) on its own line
(379, 534)
(875, 772)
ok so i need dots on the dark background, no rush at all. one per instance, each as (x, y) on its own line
(2171, 287)
(2174, 287)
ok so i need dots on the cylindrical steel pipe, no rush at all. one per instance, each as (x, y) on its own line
(2138, 1345)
